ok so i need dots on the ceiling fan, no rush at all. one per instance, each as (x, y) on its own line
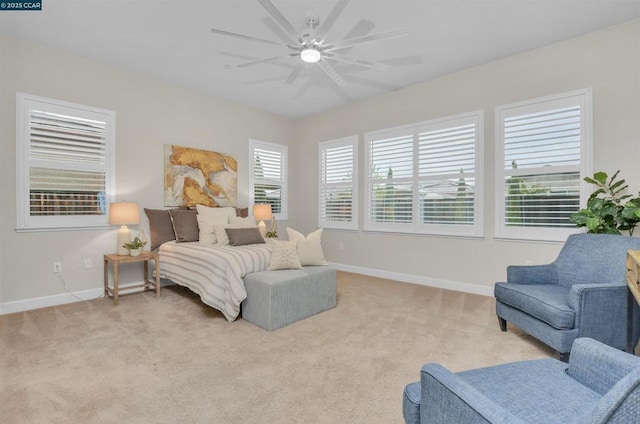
(311, 46)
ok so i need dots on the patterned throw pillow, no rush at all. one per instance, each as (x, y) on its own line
(284, 255)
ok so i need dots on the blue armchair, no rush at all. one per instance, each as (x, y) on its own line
(599, 385)
(583, 293)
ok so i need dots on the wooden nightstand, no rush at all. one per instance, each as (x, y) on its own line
(116, 260)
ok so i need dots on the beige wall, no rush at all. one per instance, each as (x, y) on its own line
(607, 60)
(149, 114)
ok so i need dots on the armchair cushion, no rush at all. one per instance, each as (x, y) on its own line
(546, 302)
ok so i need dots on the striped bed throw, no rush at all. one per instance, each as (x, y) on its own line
(214, 272)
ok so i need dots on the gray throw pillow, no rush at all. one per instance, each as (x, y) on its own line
(160, 227)
(242, 236)
(185, 225)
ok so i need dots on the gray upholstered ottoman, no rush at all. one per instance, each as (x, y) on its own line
(278, 298)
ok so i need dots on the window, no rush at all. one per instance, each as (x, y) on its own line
(338, 184)
(426, 177)
(64, 164)
(268, 176)
(543, 152)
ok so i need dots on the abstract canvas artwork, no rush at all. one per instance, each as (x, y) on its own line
(195, 176)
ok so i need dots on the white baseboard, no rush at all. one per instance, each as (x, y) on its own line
(64, 298)
(59, 299)
(417, 279)
(46, 301)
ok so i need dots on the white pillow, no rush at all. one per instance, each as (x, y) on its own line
(309, 247)
(248, 222)
(234, 222)
(284, 255)
(216, 213)
(207, 228)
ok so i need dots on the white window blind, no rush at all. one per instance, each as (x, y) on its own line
(268, 176)
(64, 164)
(423, 178)
(447, 158)
(543, 146)
(338, 184)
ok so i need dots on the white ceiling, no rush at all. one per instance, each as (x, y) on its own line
(171, 40)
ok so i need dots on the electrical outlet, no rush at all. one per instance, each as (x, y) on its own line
(87, 264)
(341, 246)
(57, 267)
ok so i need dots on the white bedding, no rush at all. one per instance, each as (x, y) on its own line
(213, 272)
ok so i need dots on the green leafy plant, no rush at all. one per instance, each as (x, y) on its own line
(606, 211)
(136, 243)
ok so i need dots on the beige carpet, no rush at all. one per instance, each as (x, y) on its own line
(175, 360)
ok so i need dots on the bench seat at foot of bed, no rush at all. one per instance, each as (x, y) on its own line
(279, 298)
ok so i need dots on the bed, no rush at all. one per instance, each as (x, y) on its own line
(214, 272)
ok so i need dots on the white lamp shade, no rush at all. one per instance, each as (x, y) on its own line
(262, 212)
(124, 213)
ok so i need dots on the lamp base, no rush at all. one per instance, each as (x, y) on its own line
(124, 236)
(262, 227)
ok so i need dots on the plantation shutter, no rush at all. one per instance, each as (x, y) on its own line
(67, 157)
(337, 184)
(424, 178)
(269, 177)
(446, 158)
(65, 164)
(542, 167)
(391, 178)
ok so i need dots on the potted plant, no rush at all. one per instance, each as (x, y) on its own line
(135, 246)
(606, 211)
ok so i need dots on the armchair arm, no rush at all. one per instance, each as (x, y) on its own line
(601, 312)
(447, 398)
(598, 366)
(532, 274)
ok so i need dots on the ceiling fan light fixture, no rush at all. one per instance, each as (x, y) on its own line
(310, 55)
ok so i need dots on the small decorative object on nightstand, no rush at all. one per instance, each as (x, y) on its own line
(116, 260)
(135, 246)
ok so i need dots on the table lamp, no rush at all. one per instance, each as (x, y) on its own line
(123, 214)
(262, 213)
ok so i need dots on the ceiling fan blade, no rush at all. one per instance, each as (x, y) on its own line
(328, 69)
(258, 61)
(281, 20)
(379, 66)
(330, 20)
(279, 32)
(303, 89)
(363, 27)
(340, 91)
(366, 39)
(294, 74)
(252, 58)
(245, 37)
